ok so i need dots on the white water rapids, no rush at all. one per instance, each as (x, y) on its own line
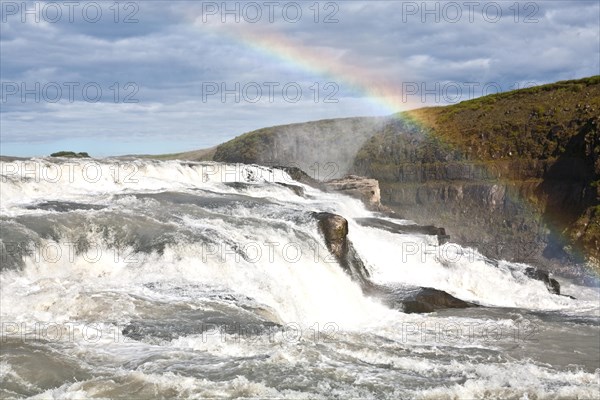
(137, 279)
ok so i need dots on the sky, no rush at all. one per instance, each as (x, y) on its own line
(151, 77)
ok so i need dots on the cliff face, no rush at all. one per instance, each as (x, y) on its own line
(517, 219)
(516, 174)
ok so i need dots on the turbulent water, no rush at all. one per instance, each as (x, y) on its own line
(140, 279)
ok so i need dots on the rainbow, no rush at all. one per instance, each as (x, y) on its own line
(386, 94)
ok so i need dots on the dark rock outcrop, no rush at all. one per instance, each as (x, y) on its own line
(335, 231)
(539, 274)
(298, 190)
(180, 322)
(429, 300)
(63, 206)
(416, 299)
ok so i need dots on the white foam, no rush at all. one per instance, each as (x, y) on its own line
(463, 272)
(305, 288)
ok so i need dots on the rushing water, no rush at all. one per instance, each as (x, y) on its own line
(140, 279)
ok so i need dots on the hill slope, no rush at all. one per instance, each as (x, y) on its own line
(324, 149)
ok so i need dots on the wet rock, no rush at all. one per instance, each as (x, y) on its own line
(365, 189)
(238, 185)
(335, 231)
(417, 299)
(429, 300)
(541, 275)
(298, 190)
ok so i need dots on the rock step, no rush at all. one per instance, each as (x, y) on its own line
(416, 299)
(404, 229)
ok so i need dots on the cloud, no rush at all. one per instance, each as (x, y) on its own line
(175, 48)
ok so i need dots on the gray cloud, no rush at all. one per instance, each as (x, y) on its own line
(170, 52)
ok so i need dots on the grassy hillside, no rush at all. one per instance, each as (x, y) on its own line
(537, 122)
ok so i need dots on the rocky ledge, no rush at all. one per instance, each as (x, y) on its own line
(365, 189)
(393, 227)
(334, 229)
